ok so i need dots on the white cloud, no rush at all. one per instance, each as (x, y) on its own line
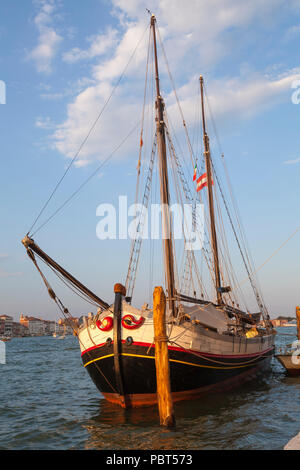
(99, 45)
(205, 29)
(292, 32)
(118, 121)
(196, 35)
(292, 162)
(113, 67)
(44, 123)
(239, 96)
(52, 96)
(48, 40)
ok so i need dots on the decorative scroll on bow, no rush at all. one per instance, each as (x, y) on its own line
(106, 324)
(129, 322)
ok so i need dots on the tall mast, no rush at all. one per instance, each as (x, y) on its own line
(211, 202)
(164, 185)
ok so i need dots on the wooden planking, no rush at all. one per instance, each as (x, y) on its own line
(164, 397)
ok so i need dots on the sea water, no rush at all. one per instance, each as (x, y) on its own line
(48, 401)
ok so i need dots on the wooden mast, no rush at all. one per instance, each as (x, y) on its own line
(211, 202)
(164, 184)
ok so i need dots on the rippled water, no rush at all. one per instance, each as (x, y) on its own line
(47, 401)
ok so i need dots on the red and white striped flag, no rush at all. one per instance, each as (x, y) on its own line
(202, 182)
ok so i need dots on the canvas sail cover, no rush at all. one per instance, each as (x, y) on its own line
(209, 316)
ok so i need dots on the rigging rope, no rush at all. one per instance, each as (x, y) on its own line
(193, 159)
(88, 134)
(255, 290)
(137, 241)
(246, 253)
(87, 180)
(237, 364)
(273, 254)
(66, 312)
(68, 284)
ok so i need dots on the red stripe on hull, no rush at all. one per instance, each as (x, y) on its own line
(193, 351)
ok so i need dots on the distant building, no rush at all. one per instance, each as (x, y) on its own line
(6, 325)
(2, 326)
(32, 326)
(19, 330)
(35, 326)
(49, 327)
(282, 321)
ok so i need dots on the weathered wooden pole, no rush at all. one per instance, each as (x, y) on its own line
(298, 322)
(164, 397)
(120, 292)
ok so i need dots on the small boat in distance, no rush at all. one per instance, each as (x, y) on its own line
(5, 339)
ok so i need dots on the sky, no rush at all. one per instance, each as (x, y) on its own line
(61, 60)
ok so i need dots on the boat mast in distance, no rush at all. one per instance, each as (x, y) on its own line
(164, 185)
(211, 202)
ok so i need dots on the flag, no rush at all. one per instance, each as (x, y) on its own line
(202, 182)
(195, 173)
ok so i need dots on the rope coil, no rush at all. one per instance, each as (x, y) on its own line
(161, 339)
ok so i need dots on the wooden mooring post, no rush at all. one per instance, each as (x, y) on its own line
(120, 292)
(164, 397)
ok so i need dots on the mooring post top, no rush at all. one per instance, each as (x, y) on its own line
(159, 302)
(158, 289)
(159, 295)
(120, 289)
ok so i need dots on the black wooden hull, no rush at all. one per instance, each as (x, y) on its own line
(192, 373)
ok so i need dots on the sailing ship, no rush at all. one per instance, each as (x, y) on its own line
(213, 344)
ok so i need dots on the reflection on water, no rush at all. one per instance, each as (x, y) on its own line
(47, 401)
(250, 417)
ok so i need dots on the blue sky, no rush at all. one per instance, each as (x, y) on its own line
(60, 61)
